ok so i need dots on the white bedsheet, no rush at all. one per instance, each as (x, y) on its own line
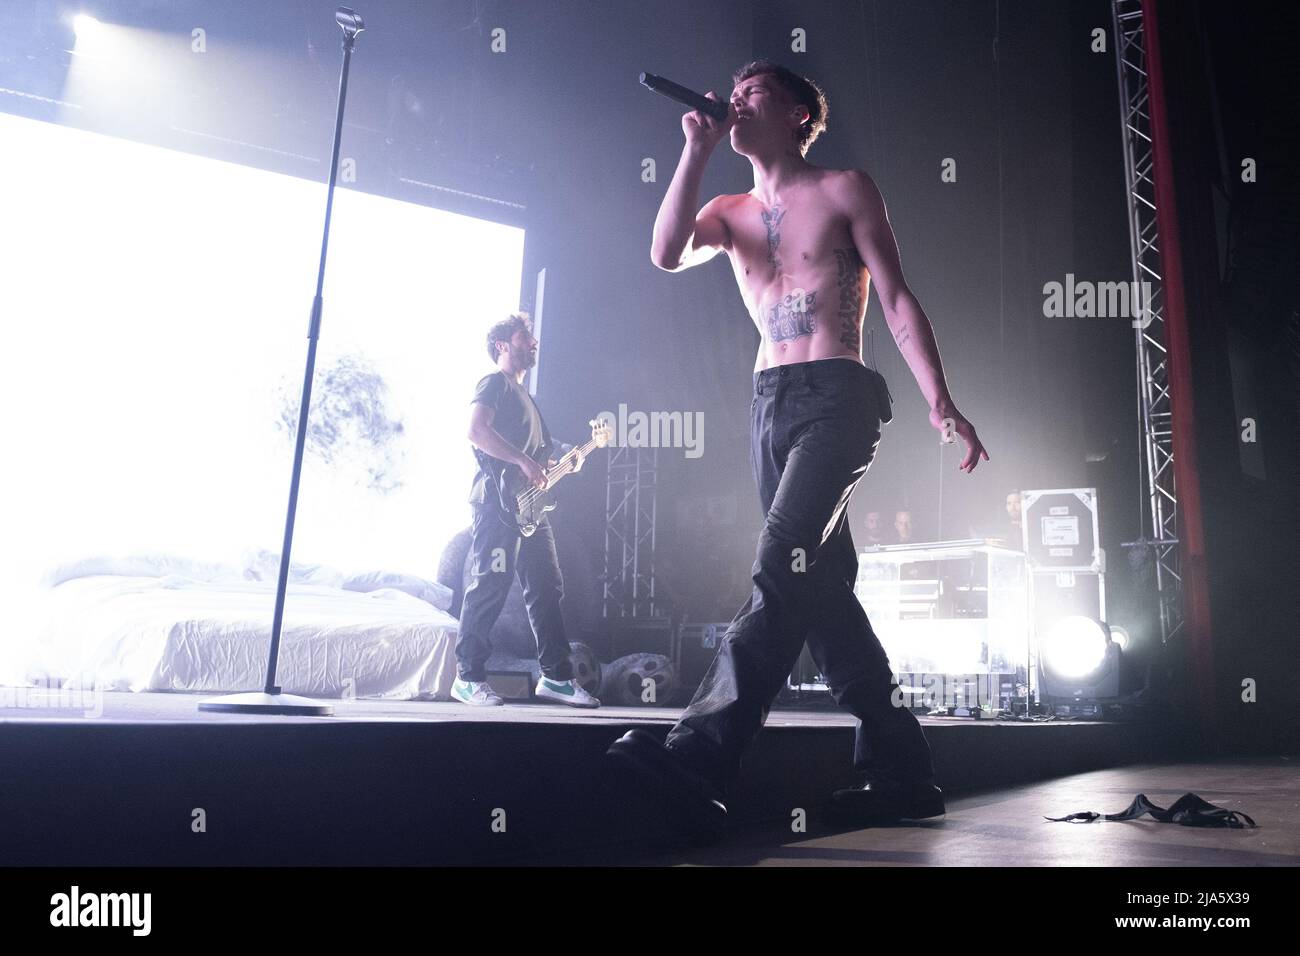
(176, 633)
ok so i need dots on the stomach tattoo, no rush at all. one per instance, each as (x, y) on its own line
(792, 317)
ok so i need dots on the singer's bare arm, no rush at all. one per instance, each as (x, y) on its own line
(913, 334)
(683, 238)
(874, 238)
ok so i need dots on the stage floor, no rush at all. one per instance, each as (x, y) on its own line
(412, 783)
(1006, 827)
(124, 707)
(39, 704)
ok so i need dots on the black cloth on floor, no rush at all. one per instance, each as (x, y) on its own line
(1189, 810)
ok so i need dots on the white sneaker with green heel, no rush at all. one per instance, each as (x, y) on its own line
(564, 692)
(476, 693)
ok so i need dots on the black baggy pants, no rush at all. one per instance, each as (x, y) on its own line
(815, 427)
(500, 553)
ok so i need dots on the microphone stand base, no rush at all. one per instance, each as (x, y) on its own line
(257, 702)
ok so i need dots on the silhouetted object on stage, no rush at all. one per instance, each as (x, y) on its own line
(639, 680)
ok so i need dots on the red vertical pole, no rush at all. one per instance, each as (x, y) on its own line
(1191, 530)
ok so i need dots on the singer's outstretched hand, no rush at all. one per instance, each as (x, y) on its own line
(703, 130)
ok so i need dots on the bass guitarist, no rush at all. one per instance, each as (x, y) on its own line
(506, 425)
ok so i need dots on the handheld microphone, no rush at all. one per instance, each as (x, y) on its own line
(715, 108)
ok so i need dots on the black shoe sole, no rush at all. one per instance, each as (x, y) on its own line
(640, 763)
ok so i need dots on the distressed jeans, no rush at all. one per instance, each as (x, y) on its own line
(814, 430)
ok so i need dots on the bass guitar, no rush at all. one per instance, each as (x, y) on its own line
(525, 503)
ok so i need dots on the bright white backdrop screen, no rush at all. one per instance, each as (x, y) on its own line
(156, 307)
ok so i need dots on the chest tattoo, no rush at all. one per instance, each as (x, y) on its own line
(772, 222)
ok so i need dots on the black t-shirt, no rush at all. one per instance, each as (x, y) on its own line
(517, 420)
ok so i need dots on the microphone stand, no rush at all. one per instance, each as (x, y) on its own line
(271, 700)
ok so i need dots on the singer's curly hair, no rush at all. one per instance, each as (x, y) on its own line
(505, 330)
(804, 91)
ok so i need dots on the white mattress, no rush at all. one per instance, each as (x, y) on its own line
(176, 633)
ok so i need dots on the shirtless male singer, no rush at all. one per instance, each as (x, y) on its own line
(803, 243)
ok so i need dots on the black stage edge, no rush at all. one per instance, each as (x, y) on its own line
(452, 790)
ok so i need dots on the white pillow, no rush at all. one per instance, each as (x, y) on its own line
(431, 592)
(264, 565)
(140, 565)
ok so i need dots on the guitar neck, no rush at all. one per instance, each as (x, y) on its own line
(568, 462)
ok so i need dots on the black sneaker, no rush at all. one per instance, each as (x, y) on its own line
(884, 801)
(693, 807)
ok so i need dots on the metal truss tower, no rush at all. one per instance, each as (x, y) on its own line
(630, 512)
(1154, 408)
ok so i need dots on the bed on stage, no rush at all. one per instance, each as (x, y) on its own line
(158, 623)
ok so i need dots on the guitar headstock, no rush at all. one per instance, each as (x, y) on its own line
(601, 432)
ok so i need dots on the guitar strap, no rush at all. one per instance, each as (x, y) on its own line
(545, 450)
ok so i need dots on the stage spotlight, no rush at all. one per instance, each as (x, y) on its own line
(1075, 646)
(1121, 638)
(86, 27)
(91, 36)
(1078, 661)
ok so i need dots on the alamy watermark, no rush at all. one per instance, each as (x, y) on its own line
(1084, 299)
(55, 695)
(656, 429)
(976, 691)
(76, 908)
